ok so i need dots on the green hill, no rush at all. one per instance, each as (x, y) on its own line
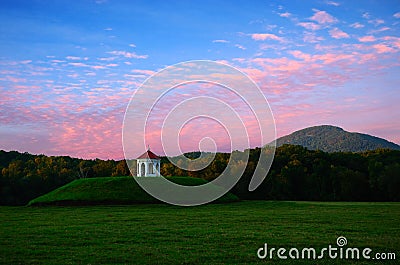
(111, 190)
(334, 139)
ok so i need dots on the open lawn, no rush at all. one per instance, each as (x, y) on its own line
(209, 234)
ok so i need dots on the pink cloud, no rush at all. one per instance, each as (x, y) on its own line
(57, 61)
(142, 71)
(266, 36)
(220, 41)
(286, 14)
(322, 17)
(338, 34)
(13, 79)
(74, 58)
(394, 41)
(240, 47)
(357, 25)
(332, 3)
(330, 58)
(369, 38)
(365, 58)
(378, 30)
(311, 37)
(382, 48)
(325, 48)
(79, 64)
(376, 22)
(366, 15)
(91, 135)
(309, 72)
(396, 15)
(301, 55)
(81, 119)
(332, 68)
(107, 58)
(97, 67)
(309, 25)
(128, 54)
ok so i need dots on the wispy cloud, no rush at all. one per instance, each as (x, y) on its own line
(366, 15)
(309, 25)
(128, 54)
(376, 22)
(300, 55)
(145, 72)
(220, 41)
(332, 3)
(286, 14)
(369, 38)
(73, 58)
(311, 37)
(79, 64)
(393, 41)
(322, 17)
(338, 34)
(112, 58)
(240, 47)
(357, 25)
(266, 36)
(397, 15)
(382, 48)
(378, 30)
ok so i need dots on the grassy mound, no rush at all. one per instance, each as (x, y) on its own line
(113, 190)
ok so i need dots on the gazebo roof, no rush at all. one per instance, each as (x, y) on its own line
(148, 155)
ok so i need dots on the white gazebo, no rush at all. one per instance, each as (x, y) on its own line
(148, 165)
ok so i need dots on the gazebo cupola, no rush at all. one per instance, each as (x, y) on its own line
(148, 165)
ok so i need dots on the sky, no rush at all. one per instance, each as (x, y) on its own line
(68, 69)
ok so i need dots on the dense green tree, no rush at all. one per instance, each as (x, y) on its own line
(390, 182)
(121, 169)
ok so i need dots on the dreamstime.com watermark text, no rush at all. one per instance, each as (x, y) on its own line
(338, 251)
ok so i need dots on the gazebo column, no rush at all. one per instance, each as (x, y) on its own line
(148, 165)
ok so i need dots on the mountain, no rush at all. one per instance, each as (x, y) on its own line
(334, 139)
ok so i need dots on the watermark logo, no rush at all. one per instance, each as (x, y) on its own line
(340, 251)
(168, 106)
(341, 241)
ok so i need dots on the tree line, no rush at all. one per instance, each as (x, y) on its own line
(301, 174)
(296, 174)
(24, 176)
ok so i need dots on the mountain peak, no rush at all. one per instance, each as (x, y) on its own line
(330, 138)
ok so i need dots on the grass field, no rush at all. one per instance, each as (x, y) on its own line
(209, 234)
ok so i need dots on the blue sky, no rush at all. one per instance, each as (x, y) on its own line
(68, 68)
